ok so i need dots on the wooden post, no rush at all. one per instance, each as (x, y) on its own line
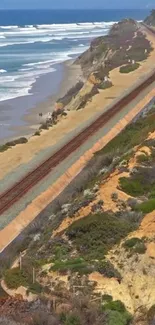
(54, 303)
(101, 297)
(20, 261)
(33, 275)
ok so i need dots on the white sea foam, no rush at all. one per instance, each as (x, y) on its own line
(31, 63)
(28, 69)
(9, 27)
(2, 71)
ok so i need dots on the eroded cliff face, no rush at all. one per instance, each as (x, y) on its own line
(124, 46)
(101, 244)
(93, 261)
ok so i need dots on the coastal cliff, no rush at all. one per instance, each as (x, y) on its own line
(125, 47)
(150, 20)
(92, 262)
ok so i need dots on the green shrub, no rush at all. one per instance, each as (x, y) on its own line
(140, 248)
(134, 134)
(116, 318)
(146, 207)
(15, 278)
(35, 288)
(37, 133)
(16, 141)
(74, 265)
(4, 147)
(95, 234)
(107, 298)
(151, 314)
(13, 143)
(105, 85)
(72, 320)
(129, 68)
(60, 251)
(107, 269)
(152, 194)
(130, 243)
(117, 313)
(136, 245)
(115, 305)
(143, 158)
(134, 187)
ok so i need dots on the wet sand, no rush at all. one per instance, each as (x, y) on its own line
(20, 116)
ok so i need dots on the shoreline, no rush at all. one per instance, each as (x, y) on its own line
(41, 146)
(40, 100)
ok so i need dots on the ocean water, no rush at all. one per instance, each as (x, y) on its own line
(32, 42)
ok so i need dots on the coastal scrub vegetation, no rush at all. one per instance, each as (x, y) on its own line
(147, 206)
(95, 234)
(116, 49)
(13, 143)
(135, 245)
(117, 313)
(78, 311)
(134, 134)
(129, 67)
(14, 278)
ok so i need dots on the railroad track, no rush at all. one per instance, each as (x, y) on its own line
(19, 189)
(149, 28)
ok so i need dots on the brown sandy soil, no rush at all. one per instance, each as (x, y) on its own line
(105, 193)
(147, 227)
(138, 152)
(12, 158)
(119, 291)
(151, 136)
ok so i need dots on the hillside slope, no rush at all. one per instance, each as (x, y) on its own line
(125, 47)
(150, 20)
(92, 261)
(98, 247)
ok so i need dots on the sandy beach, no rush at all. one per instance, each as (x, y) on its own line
(46, 90)
(16, 156)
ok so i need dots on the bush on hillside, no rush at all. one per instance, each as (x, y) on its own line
(95, 234)
(133, 187)
(15, 278)
(143, 158)
(136, 245)
(146, 207)
(73, 265)
(132, 135)
(117, 313)
(129, 68)
(108, 270)
(13, 143)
